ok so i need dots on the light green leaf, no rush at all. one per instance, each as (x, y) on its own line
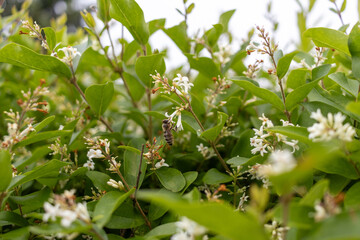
(103, 10)
(298, 95)
(162, 231)
(190, 177)
(41, 125)
(316, 193)
(171, 178)
(128, 13)
(43, 136)
(297, 78)
(354, 107)
(297, 133)
(225, 18)
(326, 37)
(320, 72)
(99, 97)
(50, 37)
(5, 170)
(237, 161)
(132, 149)
(212, 133)
(156, 24)
(204, 65)
(40, 171)
(36, 155)
(136, 89)
(354, 48)
(349, 85)
(284, 64)
(146, 65)
(108, 204)
(17, 234)
(179, 36)
(207, 214)
(343, 6)
(99, 180)
(352, 197)
(24, 57)
(213, 176)
(262, 93)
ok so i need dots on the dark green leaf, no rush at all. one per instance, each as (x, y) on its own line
(18, 234)
(146, 65)
(349, 85)
(136, 89)
(284, 64)
(262, 93)
(325, 37)
(41, 125)
(36, 155)
(132, 149)
(107, 205)
(5, 170)
(213, 176)
(320, 72)
(10, 218)
(162, 231)
(316, 193)
(43, 136)
(26, 58)
(131, 16)
(237, 161)
(212, 133)
(50, 37)
(99, 97)
(354, 48)
(204, 65)
(99, 180)
(171, 178)
(131, 163)
(190, 177)
(352, 197)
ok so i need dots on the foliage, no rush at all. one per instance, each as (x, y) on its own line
(101, 144)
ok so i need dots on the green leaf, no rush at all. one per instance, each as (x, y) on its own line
(212, 133)
(225, 18)
(190, 8)
(320, 72)
(297, 133)
(108, 204)
(237, 161)
(156, 24)
(262, 93)
(354, 107)
(298, 95)
(47, 169)
(208, 214)
(26, 58)
(349, 85)
(36, 155)
(343, 6)
(146, 65)
(99, 97)
(352, 197)
(339, 227)
(213, 34)
(128, 13)
(162, 231)
(10, 218)
(5, 170)
(103, 10)
(297, 78)
(316, 193)
(171, 178)
(53, 229)
(190, 177)
(179, 36)
(132, 149)
(32, 201)
(131, 163)
(325, 37)
(284, 64)
(43, 136)
(204, 65)
(213, 176)
(18, 234)
(136, 89)
(41, 125)
(354, 48)
(99, 180)
(50, 37)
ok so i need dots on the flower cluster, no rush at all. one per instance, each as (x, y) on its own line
(153, 155)
(97, 149)
(252, 69)
(280, 161)
(176, 113)
(328, 207)
(17, 121)
(224, 53)
(215, 195)
(187, 229)
(116, 184)
(64, 207)
(265, 141)
(179, 85)
(277, 231)
(34, 31)
(221, 84)
(330, 128)
(206, 152)
(70, 53)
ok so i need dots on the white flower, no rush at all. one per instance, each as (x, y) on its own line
(115, 184)
(51, 212)
(179, 125)
(281, 161)
(67, 217)
(89, 164)
(320, 213)
(12, 128)
(160, 164)
(223, 54)
(330, 128)
(183, 82)
(70, 54)
(190, 227)
(61, 127)
(26, 131)
(82, 212)
(94, 154)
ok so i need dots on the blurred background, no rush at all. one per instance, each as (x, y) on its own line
(248, 14)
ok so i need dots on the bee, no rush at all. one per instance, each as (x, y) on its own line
(167, 126)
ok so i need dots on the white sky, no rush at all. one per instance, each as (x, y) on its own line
(247, 15)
